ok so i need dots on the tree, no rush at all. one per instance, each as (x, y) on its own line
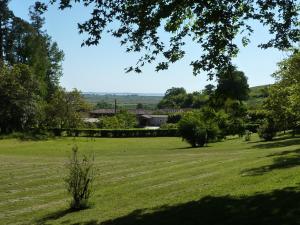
(139, 106)
(174, 98)
(284, 102)
(103, 105)
(198, 127)
(209, 89)
(232, 84)
(64, 109)
(22, 42)
(5, 15)
(122, 120)
(19, 99)
(214, 25)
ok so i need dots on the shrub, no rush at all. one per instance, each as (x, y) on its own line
(267, 130)
(112, 133)
(248, 135)
(169, 126)
(194, 129)
(122, 120)
(79, 180)
(236, 126)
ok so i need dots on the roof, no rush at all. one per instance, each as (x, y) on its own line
(154, 116)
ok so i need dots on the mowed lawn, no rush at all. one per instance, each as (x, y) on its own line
(154, 181)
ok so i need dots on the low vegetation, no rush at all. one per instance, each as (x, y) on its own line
(79, 180)
(154, 181)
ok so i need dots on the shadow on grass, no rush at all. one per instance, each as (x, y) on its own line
(280, 207)
(191, 148)
(53, 216)
(282, 160)
(278, 142)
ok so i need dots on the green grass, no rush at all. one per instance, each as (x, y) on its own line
(154, 181)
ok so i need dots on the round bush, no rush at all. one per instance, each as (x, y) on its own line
(267, 130)
(195, 130)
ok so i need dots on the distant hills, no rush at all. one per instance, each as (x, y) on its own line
(150, 100)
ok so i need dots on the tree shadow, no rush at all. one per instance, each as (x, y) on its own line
(280, 207)
(279, 142)
(53, 216)
(191, 148)
(297, 151)
(282, 160)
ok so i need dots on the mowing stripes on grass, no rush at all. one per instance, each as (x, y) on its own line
(132, 174)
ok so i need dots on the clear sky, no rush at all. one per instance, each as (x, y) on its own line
(101, 68)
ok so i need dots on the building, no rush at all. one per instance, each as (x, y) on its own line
(152, 120)
(145, 118)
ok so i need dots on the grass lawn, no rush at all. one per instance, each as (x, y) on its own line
(154, 181)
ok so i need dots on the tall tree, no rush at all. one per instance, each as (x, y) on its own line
(19, 99)
(284, 101)
(232, 84)
(214, 25)
(5, 16)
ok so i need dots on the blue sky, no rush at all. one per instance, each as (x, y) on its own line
(101, 68)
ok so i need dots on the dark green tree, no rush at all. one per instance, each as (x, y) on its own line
(64, 109)
(232, 84)
(5, 16)
(174, 98)
(214, 25)
(19, 100)
(209, 89)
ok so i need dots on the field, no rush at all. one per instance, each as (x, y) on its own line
(127, 101)
(130, 101)
(154, 181)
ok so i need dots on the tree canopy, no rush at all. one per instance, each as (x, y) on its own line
(214, 25)
(284, 101)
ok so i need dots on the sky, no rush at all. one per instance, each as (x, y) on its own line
(101, 68)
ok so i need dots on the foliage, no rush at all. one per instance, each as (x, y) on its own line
(19, 99)
(174, 98)
(122, 120)
(178, 98)
(197, 128)
(22, 42)
(64, 109)
(267, 130)
(257, 97)
(169, 126)
(30, 69)
(79, 180)
(283, 102)
(139, 106)
(116, 133)
(232, 84)
(103, 105)
(213, 25)
(248, 135)
(174, 118)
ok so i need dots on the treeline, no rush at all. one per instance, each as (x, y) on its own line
(223, 110)
(30, 69)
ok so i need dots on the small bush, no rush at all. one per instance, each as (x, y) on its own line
(79, 180)
(267, 130)
(196, 130)
(169, 126)
(248, 135)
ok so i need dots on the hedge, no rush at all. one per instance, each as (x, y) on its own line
(115, 133)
